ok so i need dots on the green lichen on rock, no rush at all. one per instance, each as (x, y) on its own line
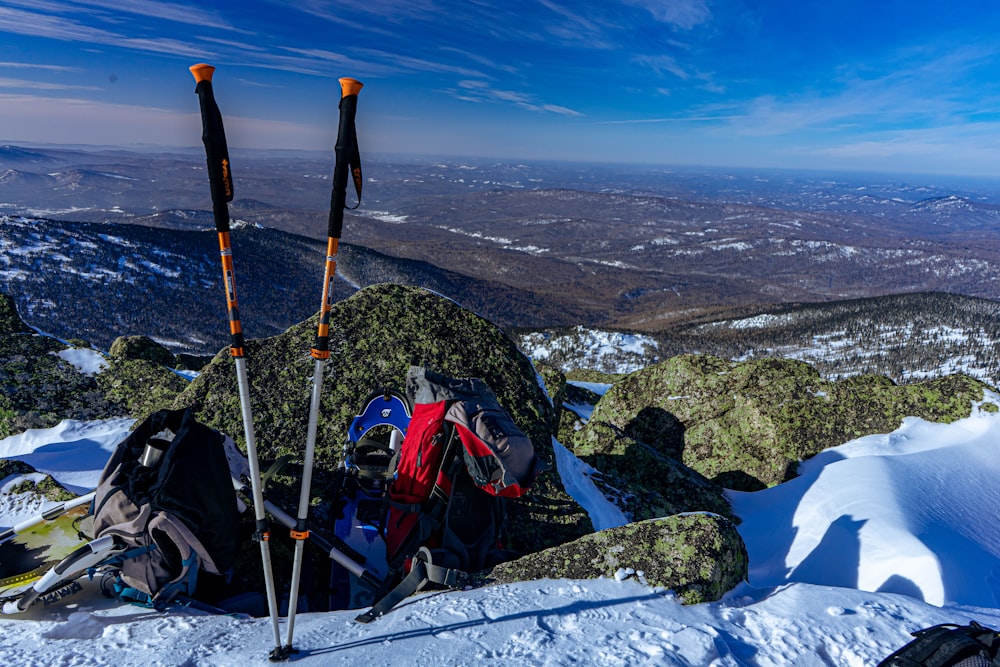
(139, 387)
(38, 389)
(746, 425)
(375, 336)
(698, 556)
(141, 347)
(642, 481)
(10, 321)
(47, 487)
(10, 467)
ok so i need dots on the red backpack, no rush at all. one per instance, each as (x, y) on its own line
(462, 458)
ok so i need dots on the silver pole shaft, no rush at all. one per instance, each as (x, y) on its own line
(258, 493)
(304, 493)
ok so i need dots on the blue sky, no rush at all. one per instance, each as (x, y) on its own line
(893, 85)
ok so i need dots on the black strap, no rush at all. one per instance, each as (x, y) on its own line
(422, 572)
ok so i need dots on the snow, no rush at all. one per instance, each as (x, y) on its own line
(876, 538)
(72, 453)
(575, 476)
(87, 361)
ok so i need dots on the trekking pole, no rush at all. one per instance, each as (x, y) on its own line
(221, 183)
(347, 159)
(48, 515)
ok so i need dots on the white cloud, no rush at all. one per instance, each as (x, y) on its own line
(21, 22)
(39, 85)
(480, 91)
(684, 14)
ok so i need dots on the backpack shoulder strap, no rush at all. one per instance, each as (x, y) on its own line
(422, 572)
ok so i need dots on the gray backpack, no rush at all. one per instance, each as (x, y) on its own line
(166, 496)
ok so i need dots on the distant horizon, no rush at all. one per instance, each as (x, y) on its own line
(430, 159)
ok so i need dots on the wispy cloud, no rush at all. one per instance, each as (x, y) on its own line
(481, 91)
(30, 84)
(168, 11)
(663, 64)
(49, 68)
(576, 26)
(57, 27)
(684, 14)
(961, 148)
(920, 89)
(404, 63)
(670, 119)
(42, 119)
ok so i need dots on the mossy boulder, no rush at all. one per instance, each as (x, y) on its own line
(699, 556)
(746, 425)
(46, 487)
(192, 362)
(39, 388)
(139, 387)
(141, 348)
(10, 467)
(375, 336)
(10, 321)
(642, 481)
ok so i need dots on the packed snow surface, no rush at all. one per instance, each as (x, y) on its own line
(876, 538)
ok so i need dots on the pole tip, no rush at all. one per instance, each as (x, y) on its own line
(349, 86)
(202, 72)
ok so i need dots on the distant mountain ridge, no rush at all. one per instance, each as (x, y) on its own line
(98, 281)
(543, 245)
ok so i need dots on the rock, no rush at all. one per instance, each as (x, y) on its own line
(642, 481)
(699, 556)
(192, 362)
(375, 336)
(10, 321)
(746, 425)
(38, 388)
(141, 347)
(47, 487)
(139, 387)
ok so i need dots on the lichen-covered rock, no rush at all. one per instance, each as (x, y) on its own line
(139, 386)
(375, 336)
(39, 388)
(10, 467)
(141, 347)
(10, 321)
(746, 425)
(192, 362)
(46, 487)
(699, 556)
(642, 481)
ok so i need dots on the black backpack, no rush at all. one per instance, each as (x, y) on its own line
(166, 497)
(949, 645)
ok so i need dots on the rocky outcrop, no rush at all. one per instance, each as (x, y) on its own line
(699, 556)
(746, 425)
